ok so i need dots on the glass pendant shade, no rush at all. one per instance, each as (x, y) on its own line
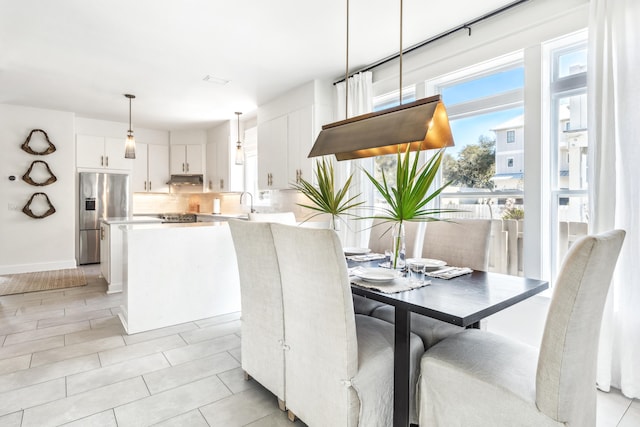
(239, 150)
(239, 154)
(130, 146)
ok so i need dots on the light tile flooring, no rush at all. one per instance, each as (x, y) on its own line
(66, 360)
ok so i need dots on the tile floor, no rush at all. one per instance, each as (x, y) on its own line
(66, 360)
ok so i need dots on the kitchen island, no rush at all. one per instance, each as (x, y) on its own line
(177, 273)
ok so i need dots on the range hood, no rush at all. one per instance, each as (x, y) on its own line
(423, 124)
(186, 180)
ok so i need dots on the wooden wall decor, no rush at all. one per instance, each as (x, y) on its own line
(50, 149)
(27, 208)
(27, 176)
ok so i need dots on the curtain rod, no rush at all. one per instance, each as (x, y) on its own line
(465, 26)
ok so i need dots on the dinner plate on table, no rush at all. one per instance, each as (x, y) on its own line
(427, 263)
(356, 251)
(375, 275)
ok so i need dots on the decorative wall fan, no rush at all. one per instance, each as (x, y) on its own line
(45, 213)
(50, 147)
(29, 180)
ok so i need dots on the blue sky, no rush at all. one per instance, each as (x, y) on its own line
(467, 130)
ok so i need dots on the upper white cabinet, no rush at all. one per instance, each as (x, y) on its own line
(287, 129)
(272, 153)
(222, 173)
(98, 152)
(187, 159)
(151, 168)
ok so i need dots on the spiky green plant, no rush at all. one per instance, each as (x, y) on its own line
(326, 199)
(408, 200)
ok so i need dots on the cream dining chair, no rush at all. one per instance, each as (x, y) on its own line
(262, 321)
(506, 383)
(338, 365)
(463, 243)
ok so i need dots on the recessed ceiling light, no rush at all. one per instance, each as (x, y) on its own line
(217, 80)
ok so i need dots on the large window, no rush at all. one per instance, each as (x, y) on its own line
(485, 104)
(567, 70)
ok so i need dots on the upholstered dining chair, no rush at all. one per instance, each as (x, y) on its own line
(380, 236)
(338, 365)
(463, 243)
(507, 383)
(459, 242)
(262, 321)
(379, 241)
(280, 217)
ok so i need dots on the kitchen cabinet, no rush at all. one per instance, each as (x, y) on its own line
(151, 168)
(273, 153)
(222, 174)
(187, 159)
(98, 152)
(284, 144)
(112, 250)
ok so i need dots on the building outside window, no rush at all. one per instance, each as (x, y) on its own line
(511, 136)
(510, 162)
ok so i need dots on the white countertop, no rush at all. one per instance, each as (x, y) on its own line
(132, 220)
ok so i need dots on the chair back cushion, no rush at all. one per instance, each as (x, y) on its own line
(380, 236)
(262, 322)
(280, 217)
(459, 242)
(566, 375)
(320, 336)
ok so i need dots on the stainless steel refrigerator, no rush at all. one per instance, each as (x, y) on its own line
(102, 195)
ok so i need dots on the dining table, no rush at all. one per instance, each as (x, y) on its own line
(463, 301)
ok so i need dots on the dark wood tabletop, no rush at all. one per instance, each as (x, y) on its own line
(462, 301)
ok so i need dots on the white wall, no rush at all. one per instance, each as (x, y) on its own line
(28, 244)
(108, 129)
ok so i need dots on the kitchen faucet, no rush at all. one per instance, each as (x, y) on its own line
(251, 197)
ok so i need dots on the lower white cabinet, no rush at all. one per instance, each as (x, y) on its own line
(112, 249)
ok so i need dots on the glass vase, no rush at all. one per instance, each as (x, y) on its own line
(397, 260)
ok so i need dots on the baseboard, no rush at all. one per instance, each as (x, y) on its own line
(30, 268)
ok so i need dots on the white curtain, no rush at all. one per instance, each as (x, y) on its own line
(355, 233)
(614, 179)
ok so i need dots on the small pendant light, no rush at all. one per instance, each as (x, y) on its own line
(239, 150)
(130, 146)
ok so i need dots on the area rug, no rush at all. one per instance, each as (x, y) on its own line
(41, 281)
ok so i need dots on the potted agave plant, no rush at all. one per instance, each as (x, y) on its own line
(408, 199)
(325, 197)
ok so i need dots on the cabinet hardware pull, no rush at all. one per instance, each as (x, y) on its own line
(101, 233)
(101, 160)
(183, 167)
(145, 186)
(107, 161)
(221, 183)
(187, 166)
(149, 185)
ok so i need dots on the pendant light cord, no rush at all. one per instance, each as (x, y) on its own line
(401, 52)
(346, 72)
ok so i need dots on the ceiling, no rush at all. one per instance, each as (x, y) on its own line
(83, 56)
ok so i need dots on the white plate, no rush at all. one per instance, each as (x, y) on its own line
(356, 251)
(426, 262)
(376, 275)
